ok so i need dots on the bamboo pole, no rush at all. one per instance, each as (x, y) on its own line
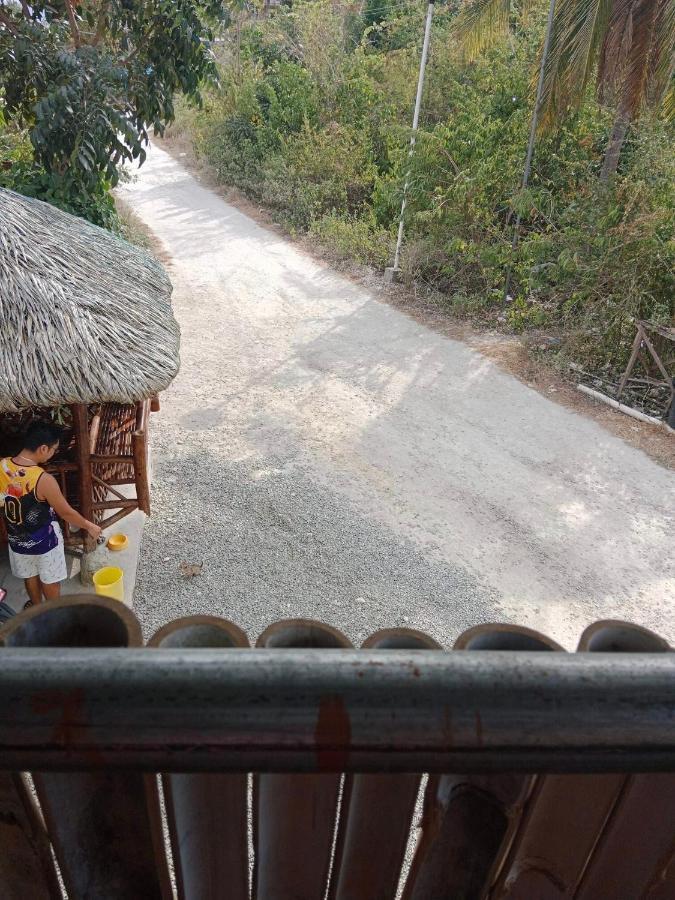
(294, 814)
(139, 443)
(567, 814)
(469, 821)
(115, 504)
(377, 809)
(105, 825)
(635, 351)
(207, 812)
(26, 866)
(621, 407)
(82, 445)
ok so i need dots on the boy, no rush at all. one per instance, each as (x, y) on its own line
(31, 499)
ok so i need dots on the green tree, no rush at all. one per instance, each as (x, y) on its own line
(89, 80)
(625, 45)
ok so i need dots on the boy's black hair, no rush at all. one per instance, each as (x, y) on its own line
(39, 433)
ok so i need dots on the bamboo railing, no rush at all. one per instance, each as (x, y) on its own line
(548, 774)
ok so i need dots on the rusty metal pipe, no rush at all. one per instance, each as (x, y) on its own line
(415, 711)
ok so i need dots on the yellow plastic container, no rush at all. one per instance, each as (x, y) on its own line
(118, 542)
(109, 582)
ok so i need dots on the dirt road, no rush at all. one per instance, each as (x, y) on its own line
(326, 456)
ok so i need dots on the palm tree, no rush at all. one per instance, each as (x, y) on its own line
(627, 46)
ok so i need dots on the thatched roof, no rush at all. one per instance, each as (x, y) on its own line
(84, 316)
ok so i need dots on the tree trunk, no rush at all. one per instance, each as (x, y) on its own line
(617, 137)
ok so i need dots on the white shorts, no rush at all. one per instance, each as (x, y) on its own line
(50, 566)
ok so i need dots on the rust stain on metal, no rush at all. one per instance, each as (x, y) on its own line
(70, 704)
(72, 725)
(332, 735)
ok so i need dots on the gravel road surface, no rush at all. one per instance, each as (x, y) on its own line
(324, 455)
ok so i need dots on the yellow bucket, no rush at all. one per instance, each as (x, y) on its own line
(109, 582)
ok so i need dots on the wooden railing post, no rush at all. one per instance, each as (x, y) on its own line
(139, 445)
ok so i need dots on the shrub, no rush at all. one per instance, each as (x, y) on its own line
(356, 239)
(318, 127)
(19, 172)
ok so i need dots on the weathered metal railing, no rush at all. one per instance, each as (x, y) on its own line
(551, 774)
(354, 710)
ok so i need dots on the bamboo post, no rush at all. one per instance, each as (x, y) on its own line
(469, 821)
(82, 444)
(377, 809)
(140, 451)
(94, 428)
(139, 446)
(26, 866)
(294, 814)
(567, 814)
(105, 826)
(655, 356)
(206, 812)
(635, 856)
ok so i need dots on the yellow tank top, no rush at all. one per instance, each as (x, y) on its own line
(28, 520)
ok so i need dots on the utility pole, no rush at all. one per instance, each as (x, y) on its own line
(391, 274)
(530, 144)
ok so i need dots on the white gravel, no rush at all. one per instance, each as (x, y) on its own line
(326, 456)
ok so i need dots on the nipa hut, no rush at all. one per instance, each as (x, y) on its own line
(87, 338)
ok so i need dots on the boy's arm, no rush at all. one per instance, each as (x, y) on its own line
(49, 490)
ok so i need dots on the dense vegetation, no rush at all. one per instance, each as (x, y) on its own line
(312, 116)
(82, 82)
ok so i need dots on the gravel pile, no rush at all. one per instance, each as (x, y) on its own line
(280, 545)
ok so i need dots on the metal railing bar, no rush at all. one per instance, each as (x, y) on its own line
(336, 710)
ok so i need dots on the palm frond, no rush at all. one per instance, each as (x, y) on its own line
(636, 60)
(669, 104)
(579, 27)
(631, 41)
(482, 24)
(660, 88)
(643, 38)
(615, 51)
